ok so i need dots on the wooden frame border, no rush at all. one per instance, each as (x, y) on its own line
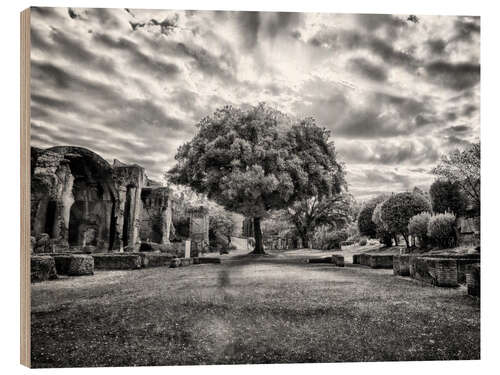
(25, 188)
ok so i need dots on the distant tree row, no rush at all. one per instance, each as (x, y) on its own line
(433, 218)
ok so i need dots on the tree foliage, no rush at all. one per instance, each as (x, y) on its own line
(257, 160)
(400, 208)
(382, 232)
(308, 214)
(418, 225)
(441, 230)
(447, 196)
(365, 223)
(464, 169)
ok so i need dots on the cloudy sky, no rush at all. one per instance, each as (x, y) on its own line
(131, 84)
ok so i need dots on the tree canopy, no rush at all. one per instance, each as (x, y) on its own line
(365, 223)
(447, 196)
(463, 168)
(400, 208)
(257, 160)
(308, 214)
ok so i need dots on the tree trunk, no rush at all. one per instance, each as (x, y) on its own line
(305, 241)
(259, 247)
(405, 236)
(396, 240)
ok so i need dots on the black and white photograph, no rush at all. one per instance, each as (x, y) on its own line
(212, 187)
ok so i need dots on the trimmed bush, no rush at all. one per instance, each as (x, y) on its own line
(363, 241)
(441, 230)
(366, 225)
(383, 234)
(418, 225)
(400, 208)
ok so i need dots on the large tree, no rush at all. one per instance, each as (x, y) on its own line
(447, 196)
(397, 211)
(463, 168)
(365, 223)
(257, 160)
(308, 214)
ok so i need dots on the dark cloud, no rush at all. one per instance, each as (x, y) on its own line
(72, 14)
(354, 40)
(266, 24)
(466, 27)
(146, 63)
(469, 110)
(436, 46)
(249, 23)
(367, 69)
(105, 17)
(457, 129)
(390, 153)
(455, 76)
(373, 22)
(211, 65)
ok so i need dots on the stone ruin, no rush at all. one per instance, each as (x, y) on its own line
(79, 202)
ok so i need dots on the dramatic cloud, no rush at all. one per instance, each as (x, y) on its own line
(132, 84)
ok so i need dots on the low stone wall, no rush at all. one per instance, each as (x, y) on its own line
(155, 259)
(401, 264)
(373, 260)
(117, 261)
(463, 261)
(435, 271)
(320, 260)
(380, 261)
(43, 268)
(338, 260)
(207, 260)
(355, 258)
(473, 276)
(74, 264)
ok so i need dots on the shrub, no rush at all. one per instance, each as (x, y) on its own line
(363, 241)
(365, 224)
(446, 196)
(441, 230)
(400, 208)
(383, 234)
(326, 239)
(417, 226)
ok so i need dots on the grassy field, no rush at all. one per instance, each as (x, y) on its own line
(249, 310)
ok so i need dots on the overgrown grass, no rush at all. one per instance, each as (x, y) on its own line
(257, 310)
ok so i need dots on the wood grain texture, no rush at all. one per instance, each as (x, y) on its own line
(25, 188)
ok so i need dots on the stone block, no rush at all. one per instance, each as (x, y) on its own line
(207, 260)
(401, 264)
(473, 277)
(435, 271)
(174, 263)
(338, 260)
(117, 261)
(43, 268)
(155, 259)
(380, 261)
(186, 261)
(81, 265)
(320, 260)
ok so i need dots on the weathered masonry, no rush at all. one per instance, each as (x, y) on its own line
(78, 200)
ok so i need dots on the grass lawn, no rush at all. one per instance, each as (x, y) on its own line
(249, 310)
